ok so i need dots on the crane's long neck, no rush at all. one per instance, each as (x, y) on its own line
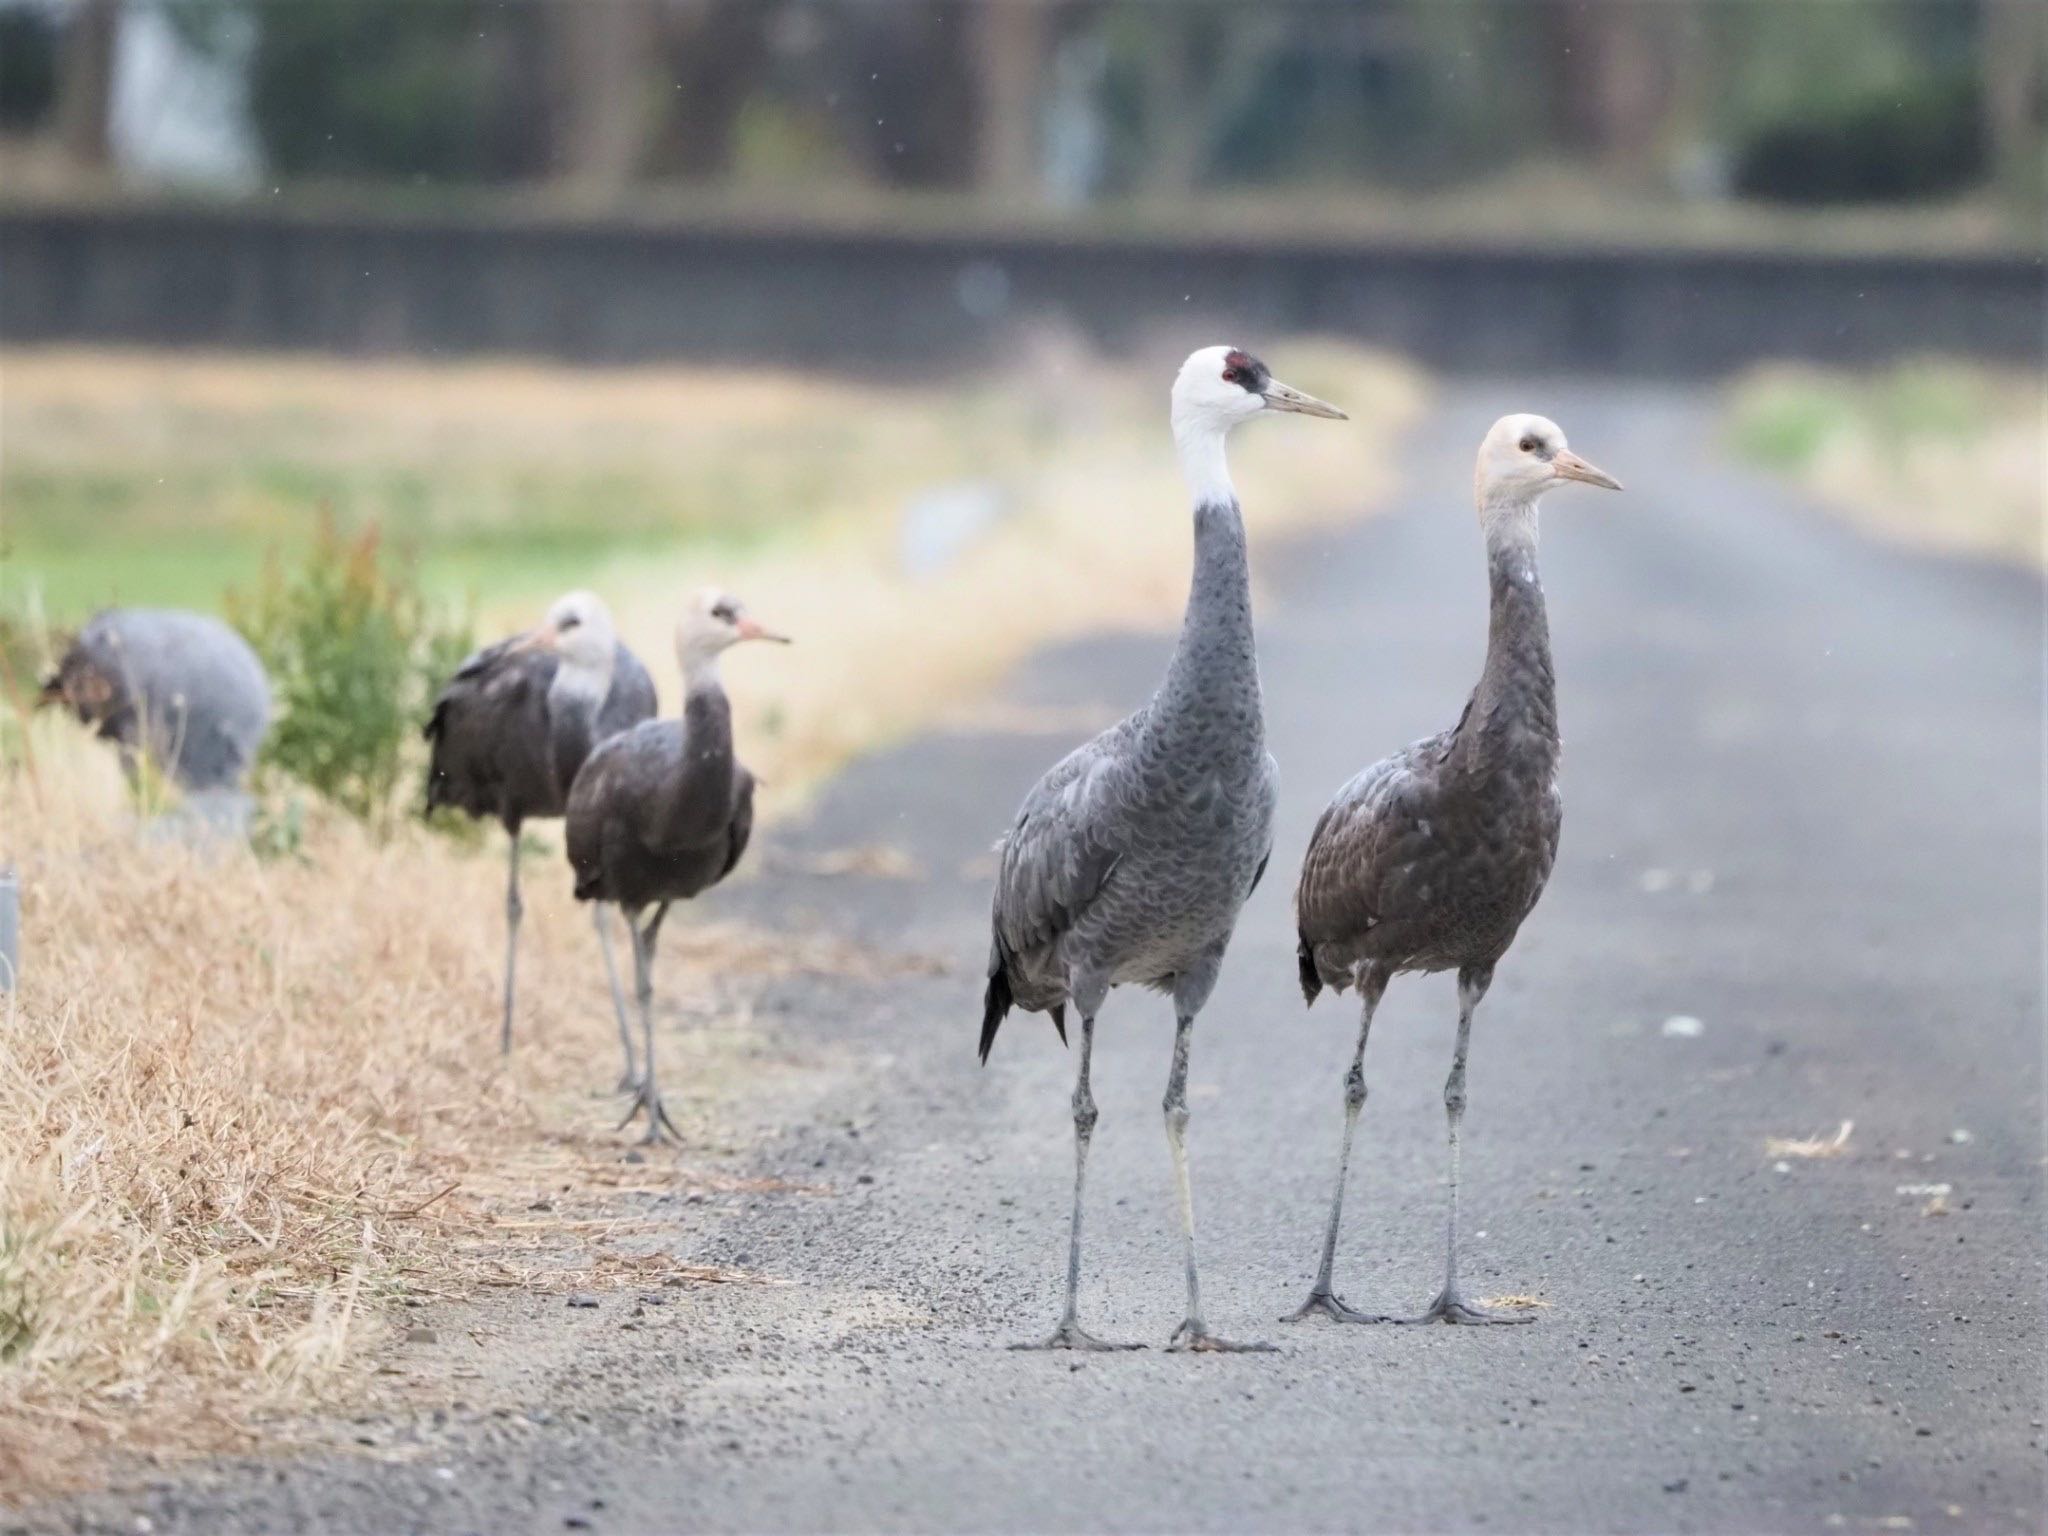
(1514, 708)
(575, 698)
(699, 805)
(1215, 666)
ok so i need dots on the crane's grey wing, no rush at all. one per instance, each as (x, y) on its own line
(1054, 862)
(1367, 852)
(488, 734)
(1063, 845)
(742, 819)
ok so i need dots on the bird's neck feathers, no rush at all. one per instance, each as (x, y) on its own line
(581, 684)
(1199, 439)
(1215, 664)
(1514, 708)
(700, 673)
(699, 804)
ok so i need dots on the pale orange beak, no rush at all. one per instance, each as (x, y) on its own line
(751, 629)
(542, 639)
(1569, 466)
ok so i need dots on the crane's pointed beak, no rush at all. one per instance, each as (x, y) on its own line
(544, 638)
(752, 629)
(1569, 466)
(1281, 397)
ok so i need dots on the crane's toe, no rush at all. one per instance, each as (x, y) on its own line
(1192, 1337)
(647, 1100)
(1449, 1307)
(1071, 1335)
(1333, 1307)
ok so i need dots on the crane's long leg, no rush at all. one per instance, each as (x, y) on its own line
(1321, 1297)
(513, 909)
(1070, 1334)
(1450, 1306)
(1193, 1332)
(629, 1079)
(648, 1098)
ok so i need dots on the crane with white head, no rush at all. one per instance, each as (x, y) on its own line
(1431, 859)
(663, 812)
(510, 730)
(1129, 861)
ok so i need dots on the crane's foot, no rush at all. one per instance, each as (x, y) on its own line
(647, 1100)
(1194, 1337)
(1450, 1307)
(1333, 1307)
(1071, 1335)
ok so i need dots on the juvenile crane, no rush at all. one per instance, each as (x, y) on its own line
(1430, 859)
(181, 689)
(663, 811)
(1131, 859)
(511, 728)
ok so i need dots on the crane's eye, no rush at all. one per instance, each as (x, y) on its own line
(723, 613)
(1232, 376)
(1530, 445)
(569, 622)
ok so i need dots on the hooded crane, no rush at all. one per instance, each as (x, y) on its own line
(1130, 860)
(182, 689)
(510, 730)
(663, 811)
(1430, 859)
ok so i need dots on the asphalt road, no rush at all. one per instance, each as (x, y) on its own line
(1803, 808)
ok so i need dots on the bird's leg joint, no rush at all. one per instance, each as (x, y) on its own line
(1354, 1088)
(1085, 1114)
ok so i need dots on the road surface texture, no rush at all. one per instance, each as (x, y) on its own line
(1803, 808)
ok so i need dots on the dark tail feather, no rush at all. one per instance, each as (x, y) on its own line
(995, 1004)
(1059, 1020)
(1311, 978)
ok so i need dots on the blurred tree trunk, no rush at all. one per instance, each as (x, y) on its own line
(2014, 40)
(85, 80)
(715, 53)
(1012, 40)
(1612, 78)
(600, 62)
(1176, 122)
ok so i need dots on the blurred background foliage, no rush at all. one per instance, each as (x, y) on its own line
(1058, 102)
(355, 654)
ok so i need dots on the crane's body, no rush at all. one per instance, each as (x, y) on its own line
(180, 689)
(513, 726)
(664, 811)
(1431, 859)
(1129, 862)
(510, 731)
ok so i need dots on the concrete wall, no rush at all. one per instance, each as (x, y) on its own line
(617, 291)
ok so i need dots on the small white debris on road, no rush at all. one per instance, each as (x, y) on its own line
(1683, 1026)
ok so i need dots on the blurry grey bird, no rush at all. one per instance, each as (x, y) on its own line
(180, 689)
(1131, 859)
(664, 810)
(511, 728)
(1430, 859)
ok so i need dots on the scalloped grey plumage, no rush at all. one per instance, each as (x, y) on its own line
(182, 688)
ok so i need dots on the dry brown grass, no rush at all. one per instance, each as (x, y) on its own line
(246, 1104)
